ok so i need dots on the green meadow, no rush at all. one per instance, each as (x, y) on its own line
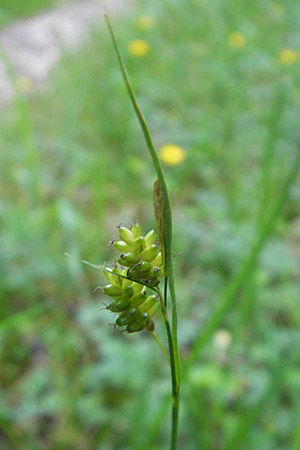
(220, 80)
(17, 9)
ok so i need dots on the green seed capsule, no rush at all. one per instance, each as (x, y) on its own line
(123, 262)
(153, 310)
(138, 244)
(136, 230)
(144, 278)
(145, 267)
(155, 272)
(117, 280)
(131, 257)
(152, 282)
(126, 235)
(150, 238)
(125, 283)
(148, 304)
(108, 275)
(137, 288)
(127, 317)
(140, 268)
(119, 305)
(138, 299)
(137, 325)
(113, 290)
(150, 325)
(150, 253)
(123, 247)
(127, 292)
(123, 320)
(158, 260)
(111, 278)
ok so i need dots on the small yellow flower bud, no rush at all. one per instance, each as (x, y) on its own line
(236, 40)
(287, 56)
(144, 23)
(171, 155)
(138, 48)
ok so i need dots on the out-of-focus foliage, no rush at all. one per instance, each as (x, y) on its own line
(11, 9)
(74, 165)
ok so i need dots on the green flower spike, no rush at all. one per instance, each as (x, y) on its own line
(131, 301)
(142, 267)
(140, 254)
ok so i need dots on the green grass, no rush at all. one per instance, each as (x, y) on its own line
(14, 9)
(74, 165)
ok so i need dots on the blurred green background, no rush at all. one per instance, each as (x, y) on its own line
(219, 79)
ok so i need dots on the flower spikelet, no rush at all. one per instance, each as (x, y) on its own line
(139, 267)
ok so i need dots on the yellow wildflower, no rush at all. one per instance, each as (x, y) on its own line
(276, 9)
(144, 23)
(139, 47)
(287, 56)
(23, 84)
(236, 40)
(171, 154)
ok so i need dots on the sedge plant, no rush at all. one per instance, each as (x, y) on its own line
(144, 264)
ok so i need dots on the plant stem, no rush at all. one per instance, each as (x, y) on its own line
(175, 401)
(166, 290)
(160, 346)
(173, 343)
(275, 119)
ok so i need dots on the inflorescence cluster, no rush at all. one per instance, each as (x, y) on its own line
(139, 267)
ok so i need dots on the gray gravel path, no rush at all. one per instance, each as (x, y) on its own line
(34, 45)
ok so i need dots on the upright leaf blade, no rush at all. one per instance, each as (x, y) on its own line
(159, 214)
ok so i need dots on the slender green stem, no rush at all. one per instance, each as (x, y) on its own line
(276, 113)
(160, 346)
(174, 354)
(175, 405)
(296, 440)
(166, 291)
